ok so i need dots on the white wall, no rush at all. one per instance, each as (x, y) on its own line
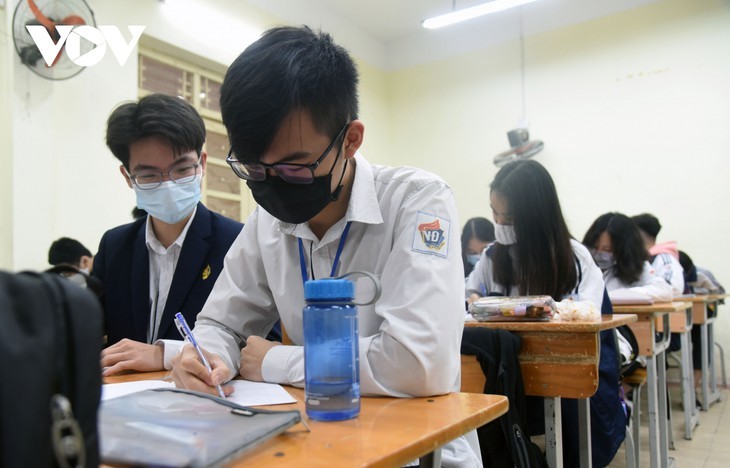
(634, 110)
(6, 159)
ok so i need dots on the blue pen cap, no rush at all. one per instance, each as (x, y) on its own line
(329, 290)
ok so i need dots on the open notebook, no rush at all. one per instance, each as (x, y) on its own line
(173, 427)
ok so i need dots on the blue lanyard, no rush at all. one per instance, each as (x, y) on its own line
(303, 262)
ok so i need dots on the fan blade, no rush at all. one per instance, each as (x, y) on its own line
(43, 19)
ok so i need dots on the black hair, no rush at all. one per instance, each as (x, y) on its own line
(160, 115)
(544, 259)
(480, 228)
(68, 251)
(627, 245)
(648, 223)
(287, 69)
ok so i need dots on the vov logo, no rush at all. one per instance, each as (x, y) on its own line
(71, 36)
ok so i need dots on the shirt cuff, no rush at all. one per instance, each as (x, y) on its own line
(275, 363)
(170, 349)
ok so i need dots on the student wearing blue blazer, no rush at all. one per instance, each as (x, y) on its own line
(168, 261)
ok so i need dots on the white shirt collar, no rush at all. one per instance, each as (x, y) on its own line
(155, 245)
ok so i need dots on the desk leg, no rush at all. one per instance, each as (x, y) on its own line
(651, 384)
(553, 432)
(714, 394)
(584, 432)
(663, 410)
(691, 417)
(431, 460)
(704, 381)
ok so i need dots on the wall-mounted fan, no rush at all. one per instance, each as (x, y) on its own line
(521, 147)
(49, 14)
(519, 139)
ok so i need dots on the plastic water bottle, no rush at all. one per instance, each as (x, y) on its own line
(331, 359)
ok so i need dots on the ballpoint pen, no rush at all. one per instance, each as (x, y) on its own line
(187, 334)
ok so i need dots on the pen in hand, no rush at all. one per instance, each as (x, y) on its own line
(187, 334)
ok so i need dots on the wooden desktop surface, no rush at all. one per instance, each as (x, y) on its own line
(557, 359)
(388, 432)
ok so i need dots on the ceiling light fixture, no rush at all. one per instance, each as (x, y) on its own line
(472, 12)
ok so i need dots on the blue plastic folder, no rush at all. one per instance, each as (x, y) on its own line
(174, 427)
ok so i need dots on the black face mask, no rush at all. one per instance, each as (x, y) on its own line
(294, 203)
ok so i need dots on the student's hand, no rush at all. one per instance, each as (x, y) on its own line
(252, 357)
(131, 355)
(473, 298)
(188, 372)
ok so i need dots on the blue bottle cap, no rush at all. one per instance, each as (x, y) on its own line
(329, 289)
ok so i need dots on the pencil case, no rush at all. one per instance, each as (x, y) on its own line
(504, 309)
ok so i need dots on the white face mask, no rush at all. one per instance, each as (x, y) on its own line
(505, 234)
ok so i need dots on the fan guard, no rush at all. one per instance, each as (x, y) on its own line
(59, 12)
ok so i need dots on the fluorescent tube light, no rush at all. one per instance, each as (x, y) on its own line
(472, 12)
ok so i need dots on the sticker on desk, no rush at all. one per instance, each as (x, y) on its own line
(431, 235)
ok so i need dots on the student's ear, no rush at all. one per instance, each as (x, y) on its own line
(126, 177)
(86, 262)
(203, 160)
(353, 138)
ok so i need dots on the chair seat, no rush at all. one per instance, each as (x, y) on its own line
(636, 378)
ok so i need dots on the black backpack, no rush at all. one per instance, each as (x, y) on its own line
(50, 345)
(504, 443)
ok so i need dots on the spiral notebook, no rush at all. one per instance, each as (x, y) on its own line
(174, 427)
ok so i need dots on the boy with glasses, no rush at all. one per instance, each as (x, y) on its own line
(168, 261)
(289, 102)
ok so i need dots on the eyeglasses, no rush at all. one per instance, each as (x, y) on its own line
(148, 180)
(292, 173)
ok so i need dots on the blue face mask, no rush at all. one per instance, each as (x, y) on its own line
(603, 259)
(170, 202)
(472, 259)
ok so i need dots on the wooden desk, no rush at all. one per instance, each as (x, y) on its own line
(651, 318)
(558, 360)
(388, 432)
(701, 317)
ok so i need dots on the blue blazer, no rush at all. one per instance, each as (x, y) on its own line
(122, 265)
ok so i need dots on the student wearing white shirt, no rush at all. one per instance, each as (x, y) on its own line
(618, 249)
(663, 257)
(534, 254)
(169, 260)
(289, 102)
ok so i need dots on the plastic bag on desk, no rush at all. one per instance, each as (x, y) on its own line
(505, 309)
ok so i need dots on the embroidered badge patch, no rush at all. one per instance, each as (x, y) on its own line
(206, 272)
(431, 235)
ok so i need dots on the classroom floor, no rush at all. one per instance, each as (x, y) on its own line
(710, 444)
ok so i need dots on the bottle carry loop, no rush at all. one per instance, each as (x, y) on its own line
(373, 278)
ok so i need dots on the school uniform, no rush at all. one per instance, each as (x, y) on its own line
(671, 270)
(608, 419)
(404, 230)
(123, 265)
(649, 284)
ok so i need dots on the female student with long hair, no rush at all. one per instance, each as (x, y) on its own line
(534, 254)
(477, 234)
(619, 251)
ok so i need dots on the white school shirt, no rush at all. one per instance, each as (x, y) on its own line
(649, 284)
(163, 262)
(404, 231)
(589, 286)
(671, 270)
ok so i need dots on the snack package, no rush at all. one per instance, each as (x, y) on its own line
(571, 311)
(504, 309)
